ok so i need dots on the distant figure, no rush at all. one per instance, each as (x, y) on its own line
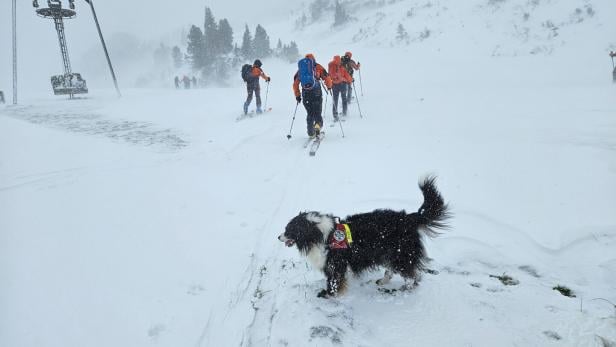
(194, 82)
(251, 75)
(176, 80)
(186, 82)
(2, 97)
(612, 55)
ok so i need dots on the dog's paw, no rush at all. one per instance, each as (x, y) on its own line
(323, 294)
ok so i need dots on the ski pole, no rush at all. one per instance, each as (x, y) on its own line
(324, 110)
(266, 94)
(293, 121)
(357, 99)
(342, 130)
(361, 85)
(325, 107)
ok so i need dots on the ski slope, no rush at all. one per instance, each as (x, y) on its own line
(151, 220)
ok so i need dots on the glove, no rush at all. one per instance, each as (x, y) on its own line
(299, 99)
(268, 79)
(358, 65)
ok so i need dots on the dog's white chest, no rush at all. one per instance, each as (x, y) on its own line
(316, 257)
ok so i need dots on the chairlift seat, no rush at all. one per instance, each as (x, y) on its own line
(69, 84)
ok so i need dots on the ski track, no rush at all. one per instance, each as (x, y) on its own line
(87, 122)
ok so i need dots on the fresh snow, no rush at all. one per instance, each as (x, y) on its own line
(151, 220)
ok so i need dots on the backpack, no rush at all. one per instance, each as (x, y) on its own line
(306, 73)
(346, 64)
(246, 69)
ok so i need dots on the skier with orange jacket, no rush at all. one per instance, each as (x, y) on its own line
(341, 82)
(252, 85)
(309, 76)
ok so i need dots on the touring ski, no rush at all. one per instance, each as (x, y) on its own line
(316, 144)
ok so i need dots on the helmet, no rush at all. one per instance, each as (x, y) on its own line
(348, 54)
(310, 56)
(258, 63)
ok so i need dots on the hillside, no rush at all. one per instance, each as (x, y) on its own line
(152, 220)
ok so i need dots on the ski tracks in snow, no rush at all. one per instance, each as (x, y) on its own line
(86, 121)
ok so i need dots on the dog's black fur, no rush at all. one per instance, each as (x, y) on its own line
(382, 238)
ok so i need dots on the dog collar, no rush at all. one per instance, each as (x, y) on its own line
(341, 238)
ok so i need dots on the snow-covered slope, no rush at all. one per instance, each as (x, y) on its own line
(477, 27)
(152, 220)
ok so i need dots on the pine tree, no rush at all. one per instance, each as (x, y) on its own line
(225, 34)
(210, 35)
(293, 53)
(290, 52)
(176, 55)
(278, 51)
(401, 34)
(247, 50)
(340, 15)
(316, 9)
(261, 43)
(195, 49)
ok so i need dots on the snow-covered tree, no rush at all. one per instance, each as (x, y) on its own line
(195, 50)
(401, 34)
(176, 55)
(340, 15)
(290, 52)
(225, 36)
(246, 49)
(261, 43)
(210, 35)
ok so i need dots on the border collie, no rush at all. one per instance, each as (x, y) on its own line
(366, 241)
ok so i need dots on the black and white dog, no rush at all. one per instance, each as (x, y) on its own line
(361, 242)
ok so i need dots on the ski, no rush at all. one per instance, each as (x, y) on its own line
(307, 142)
(251, 114)
(315, 144)
(244, 116)
(335, 123)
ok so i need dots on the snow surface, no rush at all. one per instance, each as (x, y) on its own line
(151, 220)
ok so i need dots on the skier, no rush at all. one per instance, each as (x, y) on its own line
(176, 80)
(341, 82)
(252, 85)
(309, 75)
(186, 82)
(350, 65)
(194, 82)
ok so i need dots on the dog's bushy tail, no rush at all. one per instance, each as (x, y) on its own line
(433, 213)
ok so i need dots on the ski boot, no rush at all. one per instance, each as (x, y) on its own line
(245, 109)
(317, 129)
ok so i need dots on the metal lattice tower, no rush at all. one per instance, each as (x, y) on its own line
(59, 22)
(58, 14)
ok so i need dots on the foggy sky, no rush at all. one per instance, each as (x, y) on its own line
(149, 20)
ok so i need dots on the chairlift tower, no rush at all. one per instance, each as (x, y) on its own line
(70, 83)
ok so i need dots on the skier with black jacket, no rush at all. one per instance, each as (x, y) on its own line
(252, 85)
(350, 65)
